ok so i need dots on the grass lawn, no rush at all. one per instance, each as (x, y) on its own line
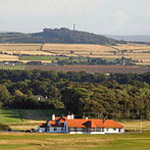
(42, 141)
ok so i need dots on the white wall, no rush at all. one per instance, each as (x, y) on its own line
(113, 130)
(51, 130)
(86, 132)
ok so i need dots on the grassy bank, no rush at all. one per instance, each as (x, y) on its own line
(22, 119)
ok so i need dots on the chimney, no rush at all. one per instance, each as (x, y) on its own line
(53, 117)
(69, 117)
(72, 116)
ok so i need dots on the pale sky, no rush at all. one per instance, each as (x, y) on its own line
(119, 17)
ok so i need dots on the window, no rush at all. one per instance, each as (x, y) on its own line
(119, 130)
(114, 129)
(55, 129)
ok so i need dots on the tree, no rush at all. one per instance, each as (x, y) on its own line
(4, 95)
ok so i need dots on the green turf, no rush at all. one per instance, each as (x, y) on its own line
(74, 142)
(13, 116)
(9, 116)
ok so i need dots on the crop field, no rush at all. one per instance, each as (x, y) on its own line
(138, 52)
(8, 58)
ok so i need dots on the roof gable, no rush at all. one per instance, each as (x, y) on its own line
(112, 124)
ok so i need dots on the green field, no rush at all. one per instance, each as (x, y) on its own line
(16, 67)
(40, 58)
(42, 141)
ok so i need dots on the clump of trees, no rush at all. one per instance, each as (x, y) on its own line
(4, 127)
(95, 61)
(122, 96)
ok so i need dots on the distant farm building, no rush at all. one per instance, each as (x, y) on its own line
(80, 126)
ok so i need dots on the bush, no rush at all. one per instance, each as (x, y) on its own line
(4, 127)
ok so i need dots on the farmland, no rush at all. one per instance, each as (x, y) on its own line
(92, 68)
(16, 52)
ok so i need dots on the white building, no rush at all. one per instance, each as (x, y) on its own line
(80, 126)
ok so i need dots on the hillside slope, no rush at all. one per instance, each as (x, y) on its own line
(62, 35)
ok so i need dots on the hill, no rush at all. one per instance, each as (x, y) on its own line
(62, 35)
(132, 38)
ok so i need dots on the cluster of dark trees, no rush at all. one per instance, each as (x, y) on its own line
(95, 61)
(107, 95)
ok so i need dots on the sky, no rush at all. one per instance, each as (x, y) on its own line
(114, 17)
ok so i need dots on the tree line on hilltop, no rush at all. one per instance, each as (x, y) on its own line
(122, 96)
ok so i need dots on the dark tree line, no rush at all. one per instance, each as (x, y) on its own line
(95, 61)
(109, 95)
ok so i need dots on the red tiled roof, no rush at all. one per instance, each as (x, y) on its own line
(57, 123)
(84, 123)
(92, 123)
(112, 124)
(52, 122)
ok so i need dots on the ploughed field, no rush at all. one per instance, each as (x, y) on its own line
(92, 68)
(13, 52)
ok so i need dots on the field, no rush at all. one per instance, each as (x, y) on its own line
(24, 141)
(92, 68)
(12, 52)
(78, 68)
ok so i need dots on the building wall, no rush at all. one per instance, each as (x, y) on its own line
(113, 130)
(86, 132)
(52, 130)
(55, 130)
(40, 129)
(65, 129)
